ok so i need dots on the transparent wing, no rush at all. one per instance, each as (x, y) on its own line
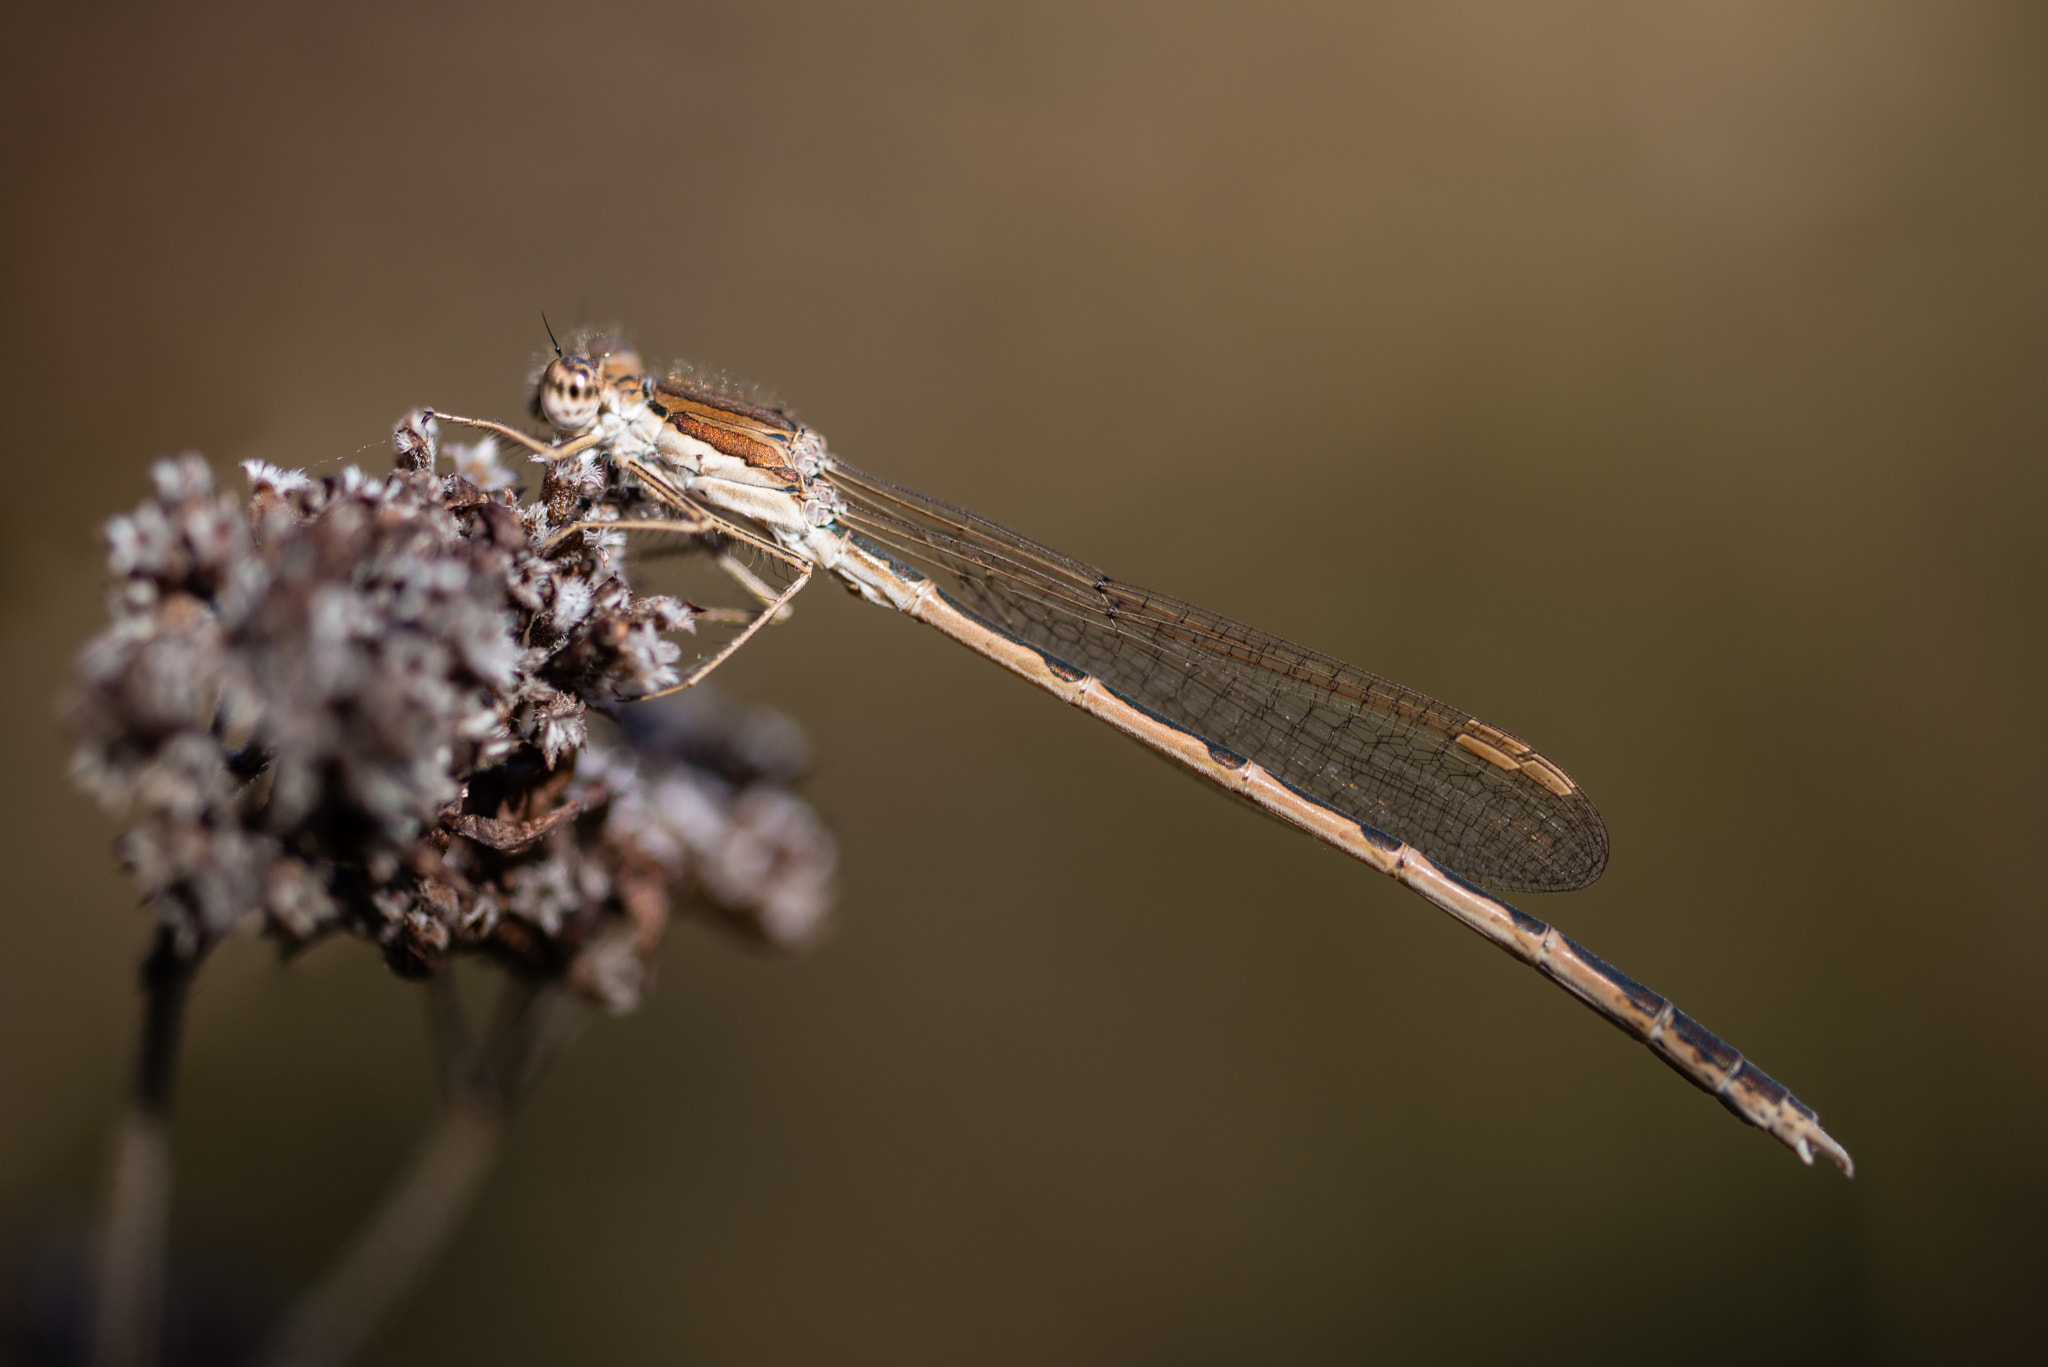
(1473, 798)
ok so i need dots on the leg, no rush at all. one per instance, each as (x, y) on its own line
(681, 526)
(533, 444)
(697, 520)
(672, 494)
(727, 562)
(773, 612)
(704, 524)
(751, 582)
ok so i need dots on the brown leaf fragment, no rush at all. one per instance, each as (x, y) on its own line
(458, 493)
(511, 837)
(503, 524)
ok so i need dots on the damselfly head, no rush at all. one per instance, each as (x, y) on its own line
(570, 394)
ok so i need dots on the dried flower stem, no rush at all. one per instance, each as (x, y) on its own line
(359, 705)
(399, 1243)
(128, 1320)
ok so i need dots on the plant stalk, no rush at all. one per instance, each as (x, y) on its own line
(128, 1316)
(421, 1211)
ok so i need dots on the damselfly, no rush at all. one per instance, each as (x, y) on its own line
(1447, 805)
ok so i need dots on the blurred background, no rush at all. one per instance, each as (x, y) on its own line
(1662, 383)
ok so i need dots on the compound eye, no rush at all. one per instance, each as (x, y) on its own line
(569, 395)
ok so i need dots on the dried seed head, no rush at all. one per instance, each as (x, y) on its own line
(360, 704)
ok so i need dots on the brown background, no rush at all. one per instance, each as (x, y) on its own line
(1662, 383)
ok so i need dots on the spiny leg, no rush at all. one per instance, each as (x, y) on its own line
(697, 520)
(752, 583)
(533, 444)
(727, 562)
(666, 491)
(755, 586)
(680, 526)
(703, 520)
(762, 618)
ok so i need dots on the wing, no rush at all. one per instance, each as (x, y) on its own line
(1475, 799)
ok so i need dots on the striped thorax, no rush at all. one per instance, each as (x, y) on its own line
(739, 459)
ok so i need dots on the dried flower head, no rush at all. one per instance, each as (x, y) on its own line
(361, 704)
